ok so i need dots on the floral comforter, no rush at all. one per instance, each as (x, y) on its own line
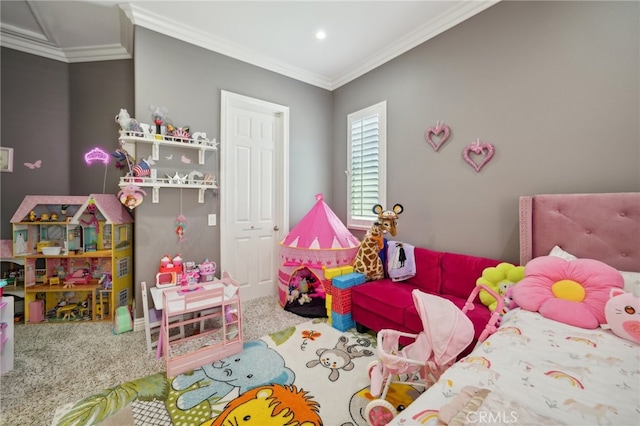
(536, 371)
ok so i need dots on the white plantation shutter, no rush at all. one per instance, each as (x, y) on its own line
(367, 141)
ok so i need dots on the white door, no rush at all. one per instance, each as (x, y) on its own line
(254, 188)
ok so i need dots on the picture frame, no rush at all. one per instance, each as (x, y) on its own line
(6, 159)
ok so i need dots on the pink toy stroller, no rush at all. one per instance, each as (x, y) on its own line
(447, 331)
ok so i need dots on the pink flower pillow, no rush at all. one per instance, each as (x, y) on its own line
(574, 293)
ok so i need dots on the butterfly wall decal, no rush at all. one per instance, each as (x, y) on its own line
(34, 165)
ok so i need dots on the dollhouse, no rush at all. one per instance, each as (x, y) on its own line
(76, 251)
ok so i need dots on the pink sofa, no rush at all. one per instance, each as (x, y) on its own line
(385, 304)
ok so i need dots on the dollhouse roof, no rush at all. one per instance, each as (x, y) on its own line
(108, 205)
(320, 228)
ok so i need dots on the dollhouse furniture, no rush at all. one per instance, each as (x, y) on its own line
(67, 311)
(102, 304)
(153, 321)
(212, 344)
(95, 234)
(36, 311)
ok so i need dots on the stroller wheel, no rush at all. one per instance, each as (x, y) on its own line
(372, 365)
(379, 412)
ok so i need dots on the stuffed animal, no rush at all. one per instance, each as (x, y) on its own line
(622, 312)
(509, 303)
(126, 122)
(499, 278)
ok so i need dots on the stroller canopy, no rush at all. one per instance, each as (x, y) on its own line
(448, 330)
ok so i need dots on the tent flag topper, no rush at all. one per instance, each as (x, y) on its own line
(131, 196)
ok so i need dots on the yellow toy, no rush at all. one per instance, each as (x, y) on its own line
(68, 311)
(498, 278)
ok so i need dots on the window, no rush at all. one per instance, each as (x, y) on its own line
(367, 163)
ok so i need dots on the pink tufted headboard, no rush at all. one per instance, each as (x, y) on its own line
(604, 227)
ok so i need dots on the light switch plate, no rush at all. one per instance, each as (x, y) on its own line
(212, 219)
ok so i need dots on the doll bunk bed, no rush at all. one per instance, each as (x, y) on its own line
(536, 370)
(216, 302)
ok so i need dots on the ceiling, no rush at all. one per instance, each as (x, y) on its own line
(275, 35)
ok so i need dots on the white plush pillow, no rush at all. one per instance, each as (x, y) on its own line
(630, 278)
(558, 252)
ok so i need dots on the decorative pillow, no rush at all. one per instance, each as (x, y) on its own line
(622, 312)
(558, 252)
(573, 292)
(630, 278)
(498, 278)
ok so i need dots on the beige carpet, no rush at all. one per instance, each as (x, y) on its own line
(57, 364)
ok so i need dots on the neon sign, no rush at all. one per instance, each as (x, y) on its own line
(96, 155)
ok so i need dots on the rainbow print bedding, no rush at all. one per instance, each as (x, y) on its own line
(536, 371)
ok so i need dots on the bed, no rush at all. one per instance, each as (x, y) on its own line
(534, 370)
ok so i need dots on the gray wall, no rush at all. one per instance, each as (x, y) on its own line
(56, 112)
(35, 123)
(98, 91)
(187, 80)
(553, 85)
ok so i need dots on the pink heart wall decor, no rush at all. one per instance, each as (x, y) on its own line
(441, 131)
(486, 149)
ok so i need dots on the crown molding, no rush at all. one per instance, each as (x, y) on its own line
(37, 44)
(431, 29)
(152, 21)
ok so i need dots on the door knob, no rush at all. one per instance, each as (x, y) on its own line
(275, 228)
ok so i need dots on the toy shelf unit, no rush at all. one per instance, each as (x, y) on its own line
(6, 334)
(190, 180)
(215, 304)
(86, 249)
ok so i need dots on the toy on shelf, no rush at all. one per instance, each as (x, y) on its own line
(207, 270)
(190, 274)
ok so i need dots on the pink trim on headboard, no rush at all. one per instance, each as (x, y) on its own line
(604, 227)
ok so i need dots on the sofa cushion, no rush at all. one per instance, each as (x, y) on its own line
(388, 298)
(460, 272)
(427, 276)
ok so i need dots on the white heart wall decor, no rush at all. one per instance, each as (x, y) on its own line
(485, 149)
(441, 131)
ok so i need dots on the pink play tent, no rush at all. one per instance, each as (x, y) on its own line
(319, 241)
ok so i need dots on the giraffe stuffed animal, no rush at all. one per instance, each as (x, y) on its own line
(367, 261)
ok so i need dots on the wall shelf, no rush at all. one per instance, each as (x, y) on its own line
(189, 181)
(202, 145)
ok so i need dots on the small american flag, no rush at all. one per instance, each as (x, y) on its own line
(142, 169)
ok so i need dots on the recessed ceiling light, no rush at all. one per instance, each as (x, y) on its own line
(321, 35)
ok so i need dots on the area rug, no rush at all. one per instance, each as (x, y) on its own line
(308, 373)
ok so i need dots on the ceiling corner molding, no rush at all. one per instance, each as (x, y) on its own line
(35, 44)
(436, 26)
(96, 53)
(30, 42)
